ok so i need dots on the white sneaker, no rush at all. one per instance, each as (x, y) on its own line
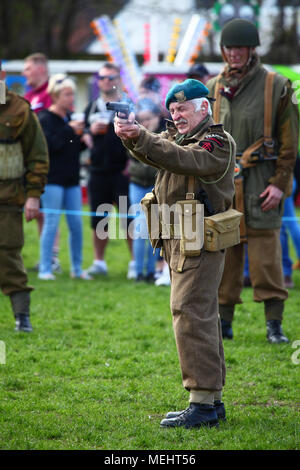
(131, 274)
(164, 279)
(97, 269)
(46, 277)
(84, 275)
(55, 266)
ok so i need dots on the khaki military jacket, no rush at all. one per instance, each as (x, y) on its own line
(204, 154)
(24, 161)
(243, 118)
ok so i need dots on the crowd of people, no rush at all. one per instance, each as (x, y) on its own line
(113, 174)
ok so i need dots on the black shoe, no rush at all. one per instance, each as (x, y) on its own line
(288, 282)
(195, 416)
(219, 407)
(227, 332)
(274, 332)
(139, 278)
(247, 281)
(23, 323)
(150, 278)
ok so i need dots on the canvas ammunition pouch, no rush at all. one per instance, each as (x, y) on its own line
(11, 160)
(222, 230)
(215, 232)
(150, 207)
(191, 226)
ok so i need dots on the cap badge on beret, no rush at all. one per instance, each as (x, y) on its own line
(185, 91)
(180, 96)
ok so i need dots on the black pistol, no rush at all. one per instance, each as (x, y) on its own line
(118, 107)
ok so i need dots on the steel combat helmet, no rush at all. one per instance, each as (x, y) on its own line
(239, 33)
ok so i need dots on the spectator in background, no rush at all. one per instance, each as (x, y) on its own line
(108, 180)
(199, 72)
(37, 78)
(62, 190)
(290, 226)
(37, 74)
(150, 87)
(297, 178)
(142, 179)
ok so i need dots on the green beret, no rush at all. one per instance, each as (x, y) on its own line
(187, 90)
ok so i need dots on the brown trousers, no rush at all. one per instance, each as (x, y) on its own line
(13, 276)
(196, 323)
(265, 268)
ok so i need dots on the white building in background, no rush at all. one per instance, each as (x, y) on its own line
(160, 15)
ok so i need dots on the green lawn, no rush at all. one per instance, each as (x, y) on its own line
(101, 369)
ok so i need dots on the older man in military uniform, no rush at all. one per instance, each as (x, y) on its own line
(192, 149)
(256, 108)
(23, 171)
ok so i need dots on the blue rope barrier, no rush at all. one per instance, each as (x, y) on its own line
(113, 214)
(87, 213)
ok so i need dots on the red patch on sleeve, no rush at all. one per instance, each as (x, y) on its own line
(206, 145)
(217, 141)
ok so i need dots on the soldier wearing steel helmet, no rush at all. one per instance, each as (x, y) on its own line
(255, 106)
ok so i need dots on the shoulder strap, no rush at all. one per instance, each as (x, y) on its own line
(217, 102)
(266, 140)
(268, 95)
(191, 188)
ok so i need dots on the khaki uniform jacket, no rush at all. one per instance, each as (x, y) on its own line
(24, 161)
(243, 119)
(204, 155)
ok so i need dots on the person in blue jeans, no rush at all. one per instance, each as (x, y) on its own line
(290, 226)
(142, 179)
(62, 190)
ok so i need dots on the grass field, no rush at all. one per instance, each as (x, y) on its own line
(100, 369)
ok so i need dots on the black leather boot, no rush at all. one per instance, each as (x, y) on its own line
(195, 416)
(226, 315)
(227, 332)
(219, 407)
(23, 323)
(274, 332)
(20, 302)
